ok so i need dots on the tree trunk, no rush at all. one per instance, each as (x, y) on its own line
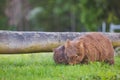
(73, 21)
(27, 42)
(17, 11)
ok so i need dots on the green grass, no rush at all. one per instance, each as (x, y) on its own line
(42, 67)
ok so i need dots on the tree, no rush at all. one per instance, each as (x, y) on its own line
(3, 19)
(17, 11)
(62, 15)
(94, 12)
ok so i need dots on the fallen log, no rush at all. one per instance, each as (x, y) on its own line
(12, 42)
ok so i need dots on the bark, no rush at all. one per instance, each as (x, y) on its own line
(73, 21)
(12, 42)
(17, 12)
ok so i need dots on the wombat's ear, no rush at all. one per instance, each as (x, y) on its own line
(54, 49)
(81, 48)
(81, 44)
(67, 43)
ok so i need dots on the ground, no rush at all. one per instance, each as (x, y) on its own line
(40, 66)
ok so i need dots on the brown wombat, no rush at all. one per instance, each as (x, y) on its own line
(59, 55)
(89, 48)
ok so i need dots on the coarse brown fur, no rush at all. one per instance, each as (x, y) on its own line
(89, 48)
(58, 56)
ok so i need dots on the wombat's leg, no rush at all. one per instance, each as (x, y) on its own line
(110, 61)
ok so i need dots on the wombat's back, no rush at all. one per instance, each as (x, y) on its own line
(99, 47)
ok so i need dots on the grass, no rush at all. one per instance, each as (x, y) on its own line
(42, 67)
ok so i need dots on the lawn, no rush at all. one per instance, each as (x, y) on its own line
(40, 66)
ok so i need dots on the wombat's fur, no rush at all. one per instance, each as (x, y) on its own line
(91, 47)
(59, 55)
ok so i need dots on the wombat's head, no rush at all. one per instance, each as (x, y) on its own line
(71, 52)
(59, 56)
(74, 51)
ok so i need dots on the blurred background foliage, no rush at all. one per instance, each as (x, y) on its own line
(3, 18)
(61, 15)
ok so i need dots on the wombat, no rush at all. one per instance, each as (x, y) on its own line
(89, 48)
